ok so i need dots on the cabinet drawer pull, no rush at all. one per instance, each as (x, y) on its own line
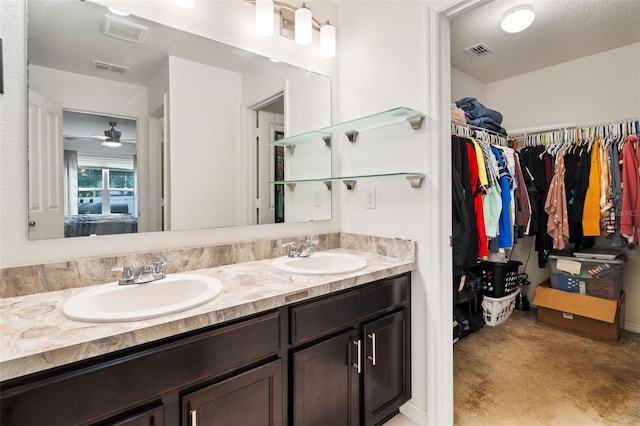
(372, 336)
(357, 364)
(193, 414)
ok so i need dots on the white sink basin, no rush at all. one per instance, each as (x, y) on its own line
(322, 263)
(116, 303)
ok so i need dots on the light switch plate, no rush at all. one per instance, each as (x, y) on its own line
(370, 200)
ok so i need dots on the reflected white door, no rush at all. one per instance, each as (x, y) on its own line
(268, 124)
(46, 193)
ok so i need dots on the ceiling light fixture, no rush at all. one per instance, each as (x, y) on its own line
(517, 19)
(264, 17)
(296, 23)
(185, 4)
(112, 136)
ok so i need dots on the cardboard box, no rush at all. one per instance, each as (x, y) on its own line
(587, 315)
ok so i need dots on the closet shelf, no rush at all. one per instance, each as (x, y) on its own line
(306, 137)
(351, 128)
(415, 179)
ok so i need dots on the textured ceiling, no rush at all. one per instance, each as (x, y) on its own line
(562, 31)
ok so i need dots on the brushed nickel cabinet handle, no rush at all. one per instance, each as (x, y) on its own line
(193, 414)
(372, 336)
(357, 364)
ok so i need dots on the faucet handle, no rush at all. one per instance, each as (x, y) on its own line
(157, 266)
(293, 248)
(311, 243)
(127, 273)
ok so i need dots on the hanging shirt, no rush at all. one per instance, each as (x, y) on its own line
(591, 210)
(556, 206)
(630, 213)
(483, 246)
(505, 237)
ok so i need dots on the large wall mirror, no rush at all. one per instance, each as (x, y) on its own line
(135, 126)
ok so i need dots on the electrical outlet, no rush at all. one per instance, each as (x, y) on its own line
(317, 198)
(370, 200)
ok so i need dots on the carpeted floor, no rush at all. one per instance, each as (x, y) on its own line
(524, 373)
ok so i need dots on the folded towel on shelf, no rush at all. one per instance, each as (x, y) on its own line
(457, 114)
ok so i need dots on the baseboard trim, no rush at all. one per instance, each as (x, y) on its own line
(634, 327)
(414, 413)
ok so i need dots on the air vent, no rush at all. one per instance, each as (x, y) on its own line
(124, 30)
(110, 67)
(480, 49)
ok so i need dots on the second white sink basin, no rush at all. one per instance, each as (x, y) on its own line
(322, 263)
(116, 303)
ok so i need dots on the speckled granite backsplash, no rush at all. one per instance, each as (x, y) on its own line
(23, 280)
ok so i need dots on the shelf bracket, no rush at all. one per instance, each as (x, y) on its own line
(327, 140)
(352, 135)
(291, 148)
(350, 184)
(415, 181)
(328, 183)
(291, 186)
(416, 121)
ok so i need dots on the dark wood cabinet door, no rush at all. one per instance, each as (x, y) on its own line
(326, 383)
(151, 417)
(253, 398)
(386, 366)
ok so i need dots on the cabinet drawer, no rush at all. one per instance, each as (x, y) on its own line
(313, 319)
(119, 384)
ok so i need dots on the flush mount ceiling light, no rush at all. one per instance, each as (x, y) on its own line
(517, 19)
(297, 23)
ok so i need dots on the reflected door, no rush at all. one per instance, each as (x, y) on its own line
(46, 195)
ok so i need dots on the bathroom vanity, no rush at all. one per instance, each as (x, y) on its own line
(283, 349)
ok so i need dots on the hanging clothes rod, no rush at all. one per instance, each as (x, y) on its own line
(627, 121)
(457, 126)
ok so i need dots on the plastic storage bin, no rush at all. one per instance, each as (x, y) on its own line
(499, 278)
(596, 277)
(498, 310)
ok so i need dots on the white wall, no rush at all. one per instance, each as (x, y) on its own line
(204, 143)
(373, 79)
(596, 88)
(463, 85)
(230, 21)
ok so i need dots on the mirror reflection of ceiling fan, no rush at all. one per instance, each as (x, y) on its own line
(110, 138)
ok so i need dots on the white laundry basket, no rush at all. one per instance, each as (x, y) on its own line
(498, 310)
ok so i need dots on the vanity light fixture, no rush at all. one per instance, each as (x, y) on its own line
(185, 4)
(517, 19)
(264, 18)
(327, 40)
(303, 25)
(297, 23)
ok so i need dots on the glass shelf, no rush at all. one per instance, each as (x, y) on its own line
(415, 179)
(350, 128)
(304, 138)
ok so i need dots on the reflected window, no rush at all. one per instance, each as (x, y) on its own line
(106, 191)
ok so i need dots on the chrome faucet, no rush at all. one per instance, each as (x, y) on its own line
(143, 275)
(303, 251)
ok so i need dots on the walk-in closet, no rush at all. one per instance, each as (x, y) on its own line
(545, 153)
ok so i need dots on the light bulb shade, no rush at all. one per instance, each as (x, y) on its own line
(517, 19)
(303, 28)
(327, 41)
(264, 18)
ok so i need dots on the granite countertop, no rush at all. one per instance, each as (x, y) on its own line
(35, 336)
